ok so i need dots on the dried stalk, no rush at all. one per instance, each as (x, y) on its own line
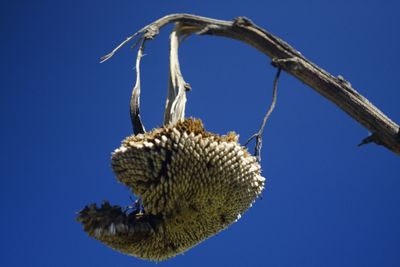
(176, 100)
(258, 135)
(336, 89)
(135, 98)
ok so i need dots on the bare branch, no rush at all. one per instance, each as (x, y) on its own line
(336, 89)
(109, 55)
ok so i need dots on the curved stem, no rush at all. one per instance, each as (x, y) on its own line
(258, 135)
(135, 97)
(336, 89)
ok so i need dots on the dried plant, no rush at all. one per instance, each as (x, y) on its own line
(192, 183)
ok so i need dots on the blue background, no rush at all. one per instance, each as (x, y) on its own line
(327, 202)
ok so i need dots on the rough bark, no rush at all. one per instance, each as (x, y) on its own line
(336, 89)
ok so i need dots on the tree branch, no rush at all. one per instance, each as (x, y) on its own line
(336, 89)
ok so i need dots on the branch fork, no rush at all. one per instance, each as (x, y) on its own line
(335, 88)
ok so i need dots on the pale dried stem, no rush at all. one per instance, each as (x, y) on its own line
(336, 89)
(176, 99)
(135, 98)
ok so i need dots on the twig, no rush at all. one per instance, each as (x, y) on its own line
(258, 135)
(370, 139)
(286, 57)
(109, 55)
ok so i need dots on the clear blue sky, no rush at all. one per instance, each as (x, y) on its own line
(326, 203)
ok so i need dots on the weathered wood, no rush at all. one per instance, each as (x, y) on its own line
(339, 91)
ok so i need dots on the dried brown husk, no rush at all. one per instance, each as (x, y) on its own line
(193, 184)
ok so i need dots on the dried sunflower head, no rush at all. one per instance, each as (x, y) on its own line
(192, 183)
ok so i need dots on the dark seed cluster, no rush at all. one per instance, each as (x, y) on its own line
(192, 183)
